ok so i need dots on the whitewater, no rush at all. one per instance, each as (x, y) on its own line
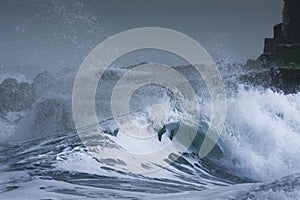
(42, 156)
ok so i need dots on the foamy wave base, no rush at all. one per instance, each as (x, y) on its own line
(42, 157)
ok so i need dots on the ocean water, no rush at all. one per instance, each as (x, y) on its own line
(256, 156)
(43, 157)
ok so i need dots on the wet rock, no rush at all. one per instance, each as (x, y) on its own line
(285, 79)
(53, 115)
(15, 96)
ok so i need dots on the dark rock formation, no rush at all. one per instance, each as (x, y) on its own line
(286, 80)
(15, 96)
(279, 66)
(279, 79)
(53, 115)
(291, 21)
(284, 47)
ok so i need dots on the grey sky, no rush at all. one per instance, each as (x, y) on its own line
(44, 34)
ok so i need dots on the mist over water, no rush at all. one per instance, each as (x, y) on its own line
(48, 35)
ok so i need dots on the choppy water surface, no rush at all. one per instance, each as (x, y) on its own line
(42, 156)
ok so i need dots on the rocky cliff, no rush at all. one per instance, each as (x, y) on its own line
(284, 47)
(279, 65)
